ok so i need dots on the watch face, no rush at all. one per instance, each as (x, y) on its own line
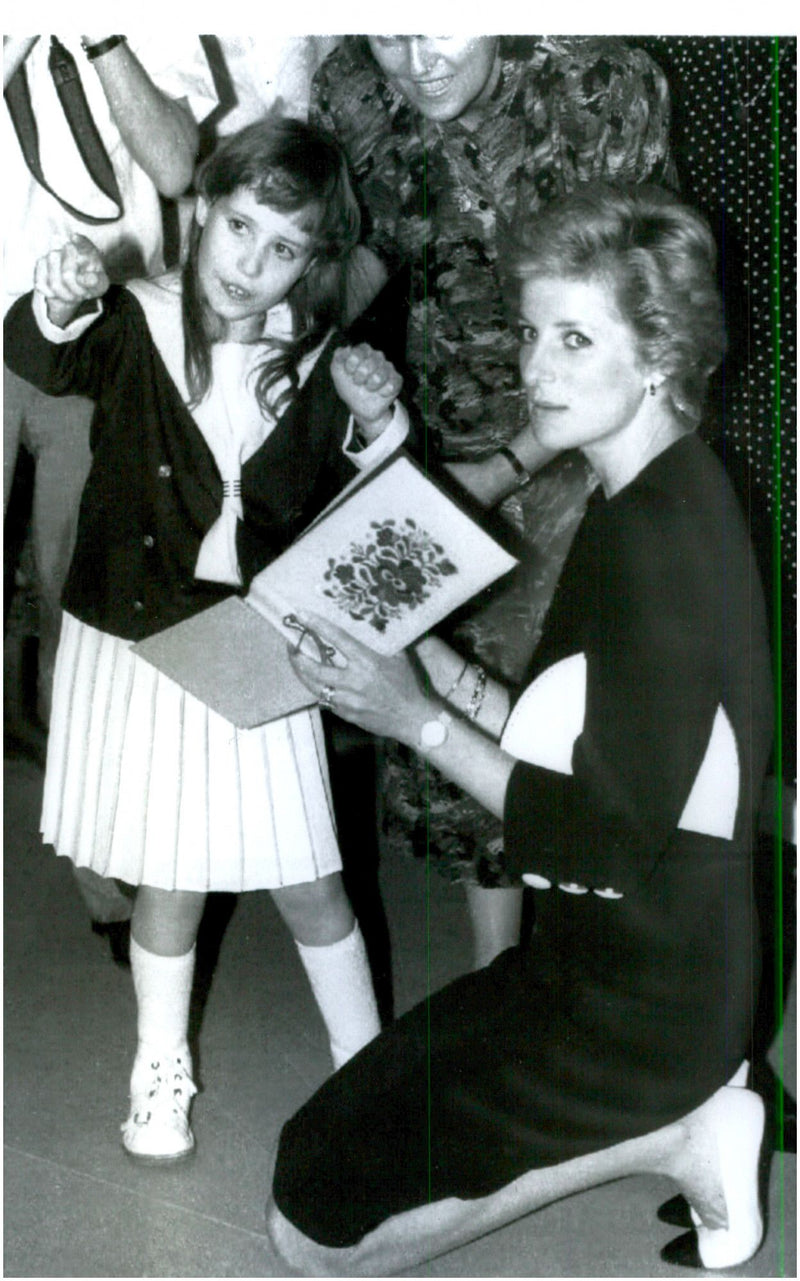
(433, 734)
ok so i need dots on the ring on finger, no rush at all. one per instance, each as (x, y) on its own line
(327, 697)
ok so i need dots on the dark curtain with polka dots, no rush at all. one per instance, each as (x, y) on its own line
(734, 134)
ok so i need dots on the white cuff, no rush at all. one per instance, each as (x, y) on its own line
(390, 439)
(54, 333)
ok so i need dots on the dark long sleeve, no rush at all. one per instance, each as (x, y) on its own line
(81, 366)
(662, 597)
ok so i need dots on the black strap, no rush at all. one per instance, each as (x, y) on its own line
(84, 130)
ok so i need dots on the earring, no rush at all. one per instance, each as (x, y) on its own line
(652, 389)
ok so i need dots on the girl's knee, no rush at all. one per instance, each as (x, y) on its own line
(166, 921)
(170, 902)
(316, 912)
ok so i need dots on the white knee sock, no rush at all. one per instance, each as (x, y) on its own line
(340, 979)
(163, 986)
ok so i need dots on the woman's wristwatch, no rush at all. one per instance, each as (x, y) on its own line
(435, 732)
(521, 472)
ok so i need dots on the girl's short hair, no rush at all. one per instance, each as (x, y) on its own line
(659, 257)
(288, 165)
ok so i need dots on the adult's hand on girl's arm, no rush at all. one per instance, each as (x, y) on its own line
(384, 696)
(69, 276)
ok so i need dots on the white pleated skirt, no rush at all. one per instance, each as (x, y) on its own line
(147, 784)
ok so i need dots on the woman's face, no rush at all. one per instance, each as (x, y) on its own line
(443, 77)
(250, 257)
(580, 367)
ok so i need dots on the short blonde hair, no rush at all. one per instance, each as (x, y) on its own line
(659, 257)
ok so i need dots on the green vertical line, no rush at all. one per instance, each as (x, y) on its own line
(777, 634)
(424, 408)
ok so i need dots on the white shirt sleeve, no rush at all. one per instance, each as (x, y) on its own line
(54, 333)
(178, 66)
(390, 439)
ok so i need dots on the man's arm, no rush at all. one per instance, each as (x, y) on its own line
(159, 131)
(15, 51)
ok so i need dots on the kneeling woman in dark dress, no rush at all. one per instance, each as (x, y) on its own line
(628, 774)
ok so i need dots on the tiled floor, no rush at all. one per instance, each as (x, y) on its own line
(75, 1207)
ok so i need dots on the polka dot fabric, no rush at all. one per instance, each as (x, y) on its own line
(734, 134)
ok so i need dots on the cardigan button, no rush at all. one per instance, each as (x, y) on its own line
(572, 887)
(165, 471)
(138, 606)
(149, 540)
(608, 892)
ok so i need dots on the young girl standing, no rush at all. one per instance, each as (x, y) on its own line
(217, 436)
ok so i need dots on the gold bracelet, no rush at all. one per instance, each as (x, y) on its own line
(457, 680)
(478, 691)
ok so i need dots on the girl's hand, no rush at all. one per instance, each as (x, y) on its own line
(368, 384)
(382, 695)
(68, 276)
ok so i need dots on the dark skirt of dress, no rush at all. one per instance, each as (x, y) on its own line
(587, 1037)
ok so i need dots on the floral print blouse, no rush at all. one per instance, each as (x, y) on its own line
(438, 196)
(437, 199)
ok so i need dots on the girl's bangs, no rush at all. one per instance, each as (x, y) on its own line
(281, 191)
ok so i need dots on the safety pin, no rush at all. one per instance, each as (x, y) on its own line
(325, 650)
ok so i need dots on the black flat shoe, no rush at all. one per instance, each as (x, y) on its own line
(118, 934)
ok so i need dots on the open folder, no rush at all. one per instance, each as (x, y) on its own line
(387, 560)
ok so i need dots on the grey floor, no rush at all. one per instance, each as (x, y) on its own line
(76, 1207)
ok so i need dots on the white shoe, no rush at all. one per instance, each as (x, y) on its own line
(739, 1125)
(157, 1129)
(736, 1116)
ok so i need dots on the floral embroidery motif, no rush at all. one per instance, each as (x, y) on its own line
(394, 571)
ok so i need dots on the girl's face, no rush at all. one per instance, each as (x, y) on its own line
(444, 77)
(249, 258)
(580, 366)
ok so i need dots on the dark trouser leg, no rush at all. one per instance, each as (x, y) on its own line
(56, 432)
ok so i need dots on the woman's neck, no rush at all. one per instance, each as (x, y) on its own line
(619, 459)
